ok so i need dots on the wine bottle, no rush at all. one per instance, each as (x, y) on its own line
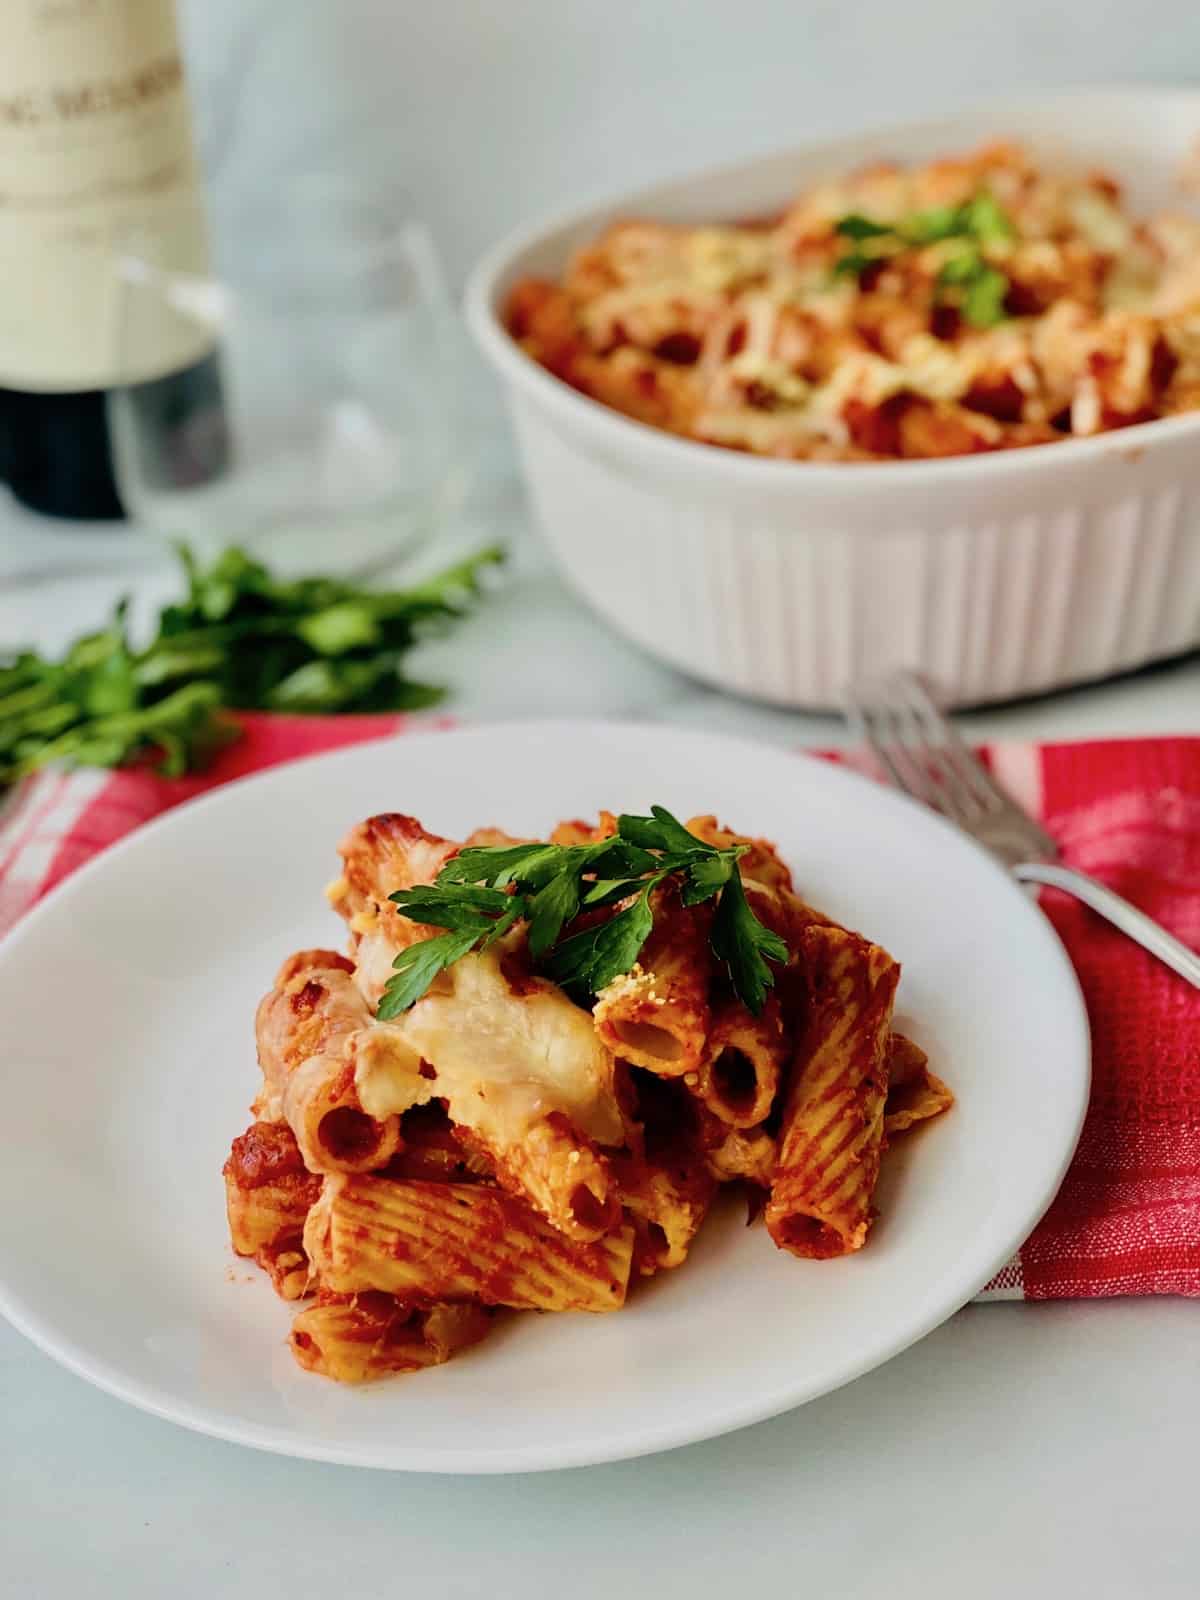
(96, 160)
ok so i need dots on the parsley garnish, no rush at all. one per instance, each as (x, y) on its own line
(588, 961)
(481, 893)
(238, 637)
(967, 279)
(983, 297)
(856, 226)
(744, 945)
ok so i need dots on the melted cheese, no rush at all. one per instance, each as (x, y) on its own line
(749, 367)
(387, 1072)
(374, 954)
(1100, 222)
(926, 367)
(932, 368)
(764, 432)
(693, 269)
(785, 343)
(503, 1060)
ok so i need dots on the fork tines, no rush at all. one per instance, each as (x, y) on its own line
(898, 718)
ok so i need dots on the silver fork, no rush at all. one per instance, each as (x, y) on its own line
(923, 755)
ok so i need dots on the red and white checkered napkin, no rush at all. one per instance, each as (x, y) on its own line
(1127, 1219)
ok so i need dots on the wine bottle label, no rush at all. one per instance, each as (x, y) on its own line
(97, 169)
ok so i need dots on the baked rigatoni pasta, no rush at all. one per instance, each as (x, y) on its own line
(306, 1028)
(831, 1132)
(666, 1202)
(743, 1062)
(383, 854)
(429, 1242)
(748, 1154)
(662, 1175)
(525, 1084)
(980, 301)
(354, 1338)
(761, 862)
(268, 1194)
(550, 1098)
(915, 1094)
(657, 1014)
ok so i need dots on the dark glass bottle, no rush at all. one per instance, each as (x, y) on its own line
(96, 156)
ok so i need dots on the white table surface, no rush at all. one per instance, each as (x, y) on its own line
(1032, 1450)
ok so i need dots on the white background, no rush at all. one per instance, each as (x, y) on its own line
(1020, 1450)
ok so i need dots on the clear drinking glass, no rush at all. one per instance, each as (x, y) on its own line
(321, 436)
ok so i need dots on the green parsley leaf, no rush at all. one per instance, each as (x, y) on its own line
(616, 855)
(856, 226)
(237, 637)
(708, 875)
(927, 227)
(853, 264)
(185, 729)
(531, 866)
(986, 220)
(660, 831)
(607, 891)
(498, 865)
(415, 968)
(552, 876)
(977, 222)
(457, 908)
(983, 302)
(337, 684)
(741, 941)
(588, 961)
(552, 883)
(961, 268)
(538, 872)
(553, 905)
(516, 910)
(348, 625)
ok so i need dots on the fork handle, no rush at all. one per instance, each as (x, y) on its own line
(1141, 929)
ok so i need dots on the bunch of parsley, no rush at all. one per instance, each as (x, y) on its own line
(967, 278)
(239, 638)
(480, 894)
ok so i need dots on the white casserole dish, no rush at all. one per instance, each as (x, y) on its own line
(998, 575)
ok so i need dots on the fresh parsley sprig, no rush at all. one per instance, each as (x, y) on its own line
(238, 638)
(473, 919)
(481, 893)
(966, 279)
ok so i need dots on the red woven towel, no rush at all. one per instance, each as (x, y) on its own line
(1127, 1219)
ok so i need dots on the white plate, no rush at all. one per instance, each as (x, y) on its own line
(128, 1064)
